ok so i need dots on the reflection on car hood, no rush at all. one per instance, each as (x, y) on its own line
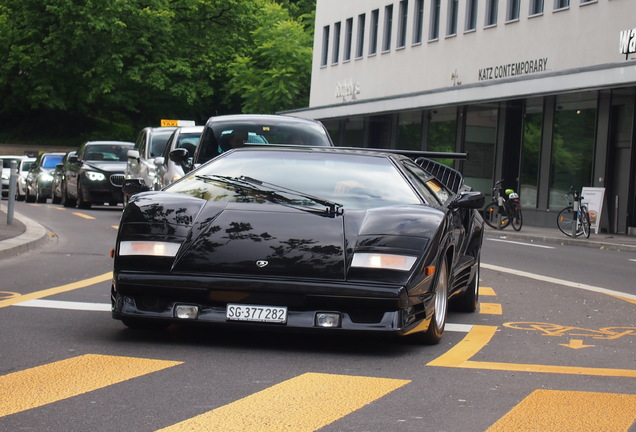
(114, 166)
(268, 240)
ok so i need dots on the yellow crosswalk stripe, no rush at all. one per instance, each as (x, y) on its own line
(486, 291)
(490, 308)
(570, 411)
(304, 403)
(41, 385)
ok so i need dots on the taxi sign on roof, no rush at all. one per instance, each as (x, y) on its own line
(165, 123)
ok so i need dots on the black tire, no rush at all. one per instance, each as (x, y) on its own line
(29, 198)
(66, 200)
(38, 195)
(517, 219)
(469, 301)
(81, 204)
(435, 330)
(565, 219)
(56, 199)
(585, 223)
(492, 214)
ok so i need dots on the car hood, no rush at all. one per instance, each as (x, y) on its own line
(110, 167)
(271, 240)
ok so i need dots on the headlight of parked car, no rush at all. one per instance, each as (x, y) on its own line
(46, 177)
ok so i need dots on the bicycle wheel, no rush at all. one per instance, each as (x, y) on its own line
(517, 218)
(565, 219)
(585, 223)
(495, 217)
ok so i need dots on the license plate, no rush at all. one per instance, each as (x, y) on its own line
(254, 313)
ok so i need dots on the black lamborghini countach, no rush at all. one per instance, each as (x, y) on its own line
(302, 238)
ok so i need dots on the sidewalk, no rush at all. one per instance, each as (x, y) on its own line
(25, 234)
(21, 236)
(616, 242)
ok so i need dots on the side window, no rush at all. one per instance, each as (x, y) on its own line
(433, 191)
(141, 140)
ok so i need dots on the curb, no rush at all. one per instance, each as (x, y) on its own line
(33, 237)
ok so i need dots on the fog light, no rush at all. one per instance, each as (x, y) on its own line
(186, 311)
(328, 319)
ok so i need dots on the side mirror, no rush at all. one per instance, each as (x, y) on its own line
(134, 186)
(72, 158)
(179, 155)
(133, 154)
(158, 161)
(469, 200)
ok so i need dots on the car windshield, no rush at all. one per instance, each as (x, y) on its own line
(227, 134)
(158, 143)
(352, 181)
(106, 152)
(51, 160)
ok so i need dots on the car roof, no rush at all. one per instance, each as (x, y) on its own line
(110, 142)
(273, 118)
(189, 129)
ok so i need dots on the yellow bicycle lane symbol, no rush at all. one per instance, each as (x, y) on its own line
(548, 329)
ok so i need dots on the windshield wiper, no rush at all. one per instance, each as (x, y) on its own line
(273, 192)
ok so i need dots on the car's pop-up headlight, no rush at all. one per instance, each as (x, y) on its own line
(383, 261)
(148, 248)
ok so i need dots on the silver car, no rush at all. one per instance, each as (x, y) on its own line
(149, 144)
(172, 165)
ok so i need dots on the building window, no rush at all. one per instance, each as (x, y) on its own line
(572, 145)
(480, 138)
(491, 12)
(409, 130)
(325, 46)
(348, 35)
(404, 10)
(513, 10)
(442, 131)
(536, 7)
(418, 23)
(471, 15)
(561, 4)
(434, 32)
(388, 27)
(453, 5)
(360, 45)
(335, 53)
(531, 152)
(373, 34)
(588, 1)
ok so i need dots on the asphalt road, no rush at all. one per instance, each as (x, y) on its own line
(552, 348)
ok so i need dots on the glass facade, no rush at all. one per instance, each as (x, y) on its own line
(572, 145)
(409, 130)
(531, 152)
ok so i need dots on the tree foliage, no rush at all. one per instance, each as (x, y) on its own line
(136, 61)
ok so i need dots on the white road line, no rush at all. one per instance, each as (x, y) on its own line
(57, 304)
(522, 243)
(105, 307)
(559, 281)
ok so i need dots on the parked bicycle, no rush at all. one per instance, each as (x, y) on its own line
(504, 210)
(574, 220)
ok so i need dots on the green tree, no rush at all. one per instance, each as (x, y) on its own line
(275, 73)
(137, 61)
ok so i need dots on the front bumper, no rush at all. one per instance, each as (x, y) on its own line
(381, 308)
